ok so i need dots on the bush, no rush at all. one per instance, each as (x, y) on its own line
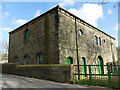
(55, 72)
(8, 68)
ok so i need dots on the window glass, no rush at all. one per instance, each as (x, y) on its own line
(26, 58)
(96, 40)
(80, 32)
(99, 41)
(104, 40)
(27, 35)
(16, 59)
(69, 60)
(40, 58)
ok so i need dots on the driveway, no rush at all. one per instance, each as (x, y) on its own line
(13, 81)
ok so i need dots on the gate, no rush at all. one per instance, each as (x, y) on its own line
(110, 76)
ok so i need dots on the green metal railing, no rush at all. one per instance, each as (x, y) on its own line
(109, 75)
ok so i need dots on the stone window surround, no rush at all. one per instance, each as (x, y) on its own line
(96, 40)
(99, 41)
(27, 32)
(39, 56)
(80, 32)
(104, 40)
(16, 59)
(26, 59)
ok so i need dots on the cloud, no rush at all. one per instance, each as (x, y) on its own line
(0, 12)
(0, 33)
(0, 6)
(116, 26)
(6, 13)
(19, 22)
(89, 12)
(109, 11)
(6, 29)
(37, 13)
(67, 3)
(13, 19)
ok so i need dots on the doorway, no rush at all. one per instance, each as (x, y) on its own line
(100, 62)
(83, 62)
(69, 60)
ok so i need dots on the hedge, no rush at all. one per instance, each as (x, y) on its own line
(55, 72)
(8, 68)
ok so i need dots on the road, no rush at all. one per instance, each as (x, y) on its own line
(13, 81)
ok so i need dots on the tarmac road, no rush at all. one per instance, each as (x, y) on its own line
(13, 81)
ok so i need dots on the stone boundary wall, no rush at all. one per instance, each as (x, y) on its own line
(54, 72)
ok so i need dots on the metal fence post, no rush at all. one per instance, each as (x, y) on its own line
(90, 75)
(109, 76)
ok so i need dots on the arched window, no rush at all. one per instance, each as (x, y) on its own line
(99, 41)
(111, 69)
(104, 40)
(69, 60)
(27, 35)
(100, 62)
(96, 40)
(80, 32)
(26, 59)
(16, 59)
(40, 58)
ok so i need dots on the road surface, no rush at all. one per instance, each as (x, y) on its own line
(13, 81)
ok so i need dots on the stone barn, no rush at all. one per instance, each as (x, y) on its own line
(59, 37)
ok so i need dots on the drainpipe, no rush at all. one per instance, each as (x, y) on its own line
(112, 52)
(77, 48)
(113, 57)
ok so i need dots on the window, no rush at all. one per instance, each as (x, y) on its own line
(96, 40)
(80, 32)
(111, 69)
(16, 59)
(83, 62)
(27, 35)
(104, 40)
(40, 58)
(69, 60)
(99, 41)
(26, 58)
(100, 62)
(112, 47)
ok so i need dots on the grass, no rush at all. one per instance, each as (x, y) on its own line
(101, 81)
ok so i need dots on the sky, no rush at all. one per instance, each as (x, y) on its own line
(102, 16)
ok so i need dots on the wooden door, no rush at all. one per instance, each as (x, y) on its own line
(68, 61)
(83, 67)
(99, 67)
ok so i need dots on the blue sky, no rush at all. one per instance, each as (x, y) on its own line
(104, 17)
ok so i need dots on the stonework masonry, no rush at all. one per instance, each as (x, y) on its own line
(86, 45)
(56, 36)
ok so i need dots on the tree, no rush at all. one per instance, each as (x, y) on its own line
(118, 51)
(4, 50)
